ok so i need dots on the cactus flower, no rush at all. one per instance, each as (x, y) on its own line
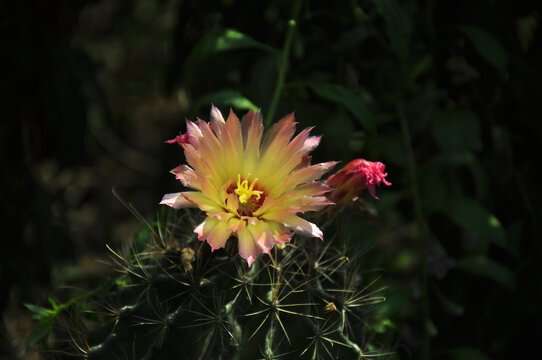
(356, 176)
(249, 188)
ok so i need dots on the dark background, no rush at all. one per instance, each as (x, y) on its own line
(446, 93)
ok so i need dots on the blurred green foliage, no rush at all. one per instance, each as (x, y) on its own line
(445, 93)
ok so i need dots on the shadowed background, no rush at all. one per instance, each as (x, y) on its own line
(446, 94)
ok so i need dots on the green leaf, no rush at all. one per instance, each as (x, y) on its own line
(219, 41)
(483, 266)
(466, 353)
(39, 312)
(53, 303)
(488, 46)
(352, 101)
(227, 98)
(479, 221)
(457, 130)
(39, 333)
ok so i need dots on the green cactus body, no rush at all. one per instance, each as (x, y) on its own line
(175, 299)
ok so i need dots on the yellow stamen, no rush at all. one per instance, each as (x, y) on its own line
(244, 192)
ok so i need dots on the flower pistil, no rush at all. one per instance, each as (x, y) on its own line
(244, 191)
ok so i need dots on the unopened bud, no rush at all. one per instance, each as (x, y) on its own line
(352, 179)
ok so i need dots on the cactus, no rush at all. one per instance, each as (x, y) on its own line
(245, 287)
(176, 299)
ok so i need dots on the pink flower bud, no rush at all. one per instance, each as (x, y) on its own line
(354, 178)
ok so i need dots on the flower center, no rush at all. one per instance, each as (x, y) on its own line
(244, 191)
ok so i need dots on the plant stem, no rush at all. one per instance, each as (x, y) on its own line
(285, 54)
(421, 226)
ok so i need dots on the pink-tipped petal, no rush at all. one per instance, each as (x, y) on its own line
(221, 216)
(305, 162)
(252, 127)
(233, 126)
(176, 201)
(217, 123)
(218, 236)
(303, 227)
(304, 175)
(280, 213)
(237, 225)
(313, 203)
(314, 188)
(279, 135)
(280, 232)
(216, 115)
(261, 232)
(312, 172)
(205, 228)
(247, 247)
(187, 176)
(282, 238)
(280, 162)
(193, 130)
(311, 143)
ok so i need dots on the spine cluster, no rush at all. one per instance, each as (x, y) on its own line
(176, 299)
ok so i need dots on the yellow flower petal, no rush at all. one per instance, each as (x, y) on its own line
(280, 232)
(218, 236)
(279, 134)
(252, 133)
(206, 227)
(304, 175)
(237, 225)
(202, 201)
(232, 203)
